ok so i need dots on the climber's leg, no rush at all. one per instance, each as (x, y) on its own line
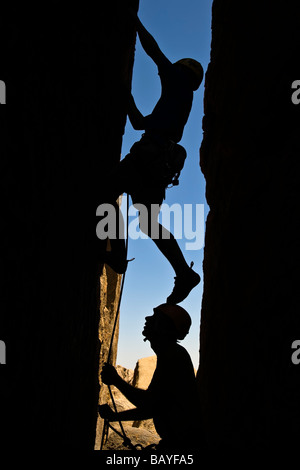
(186, 279)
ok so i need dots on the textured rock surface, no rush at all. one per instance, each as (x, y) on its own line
(60, 131)
(143, 372)
(248, 384)
(110, 284)
(126, 374)
(136, 435)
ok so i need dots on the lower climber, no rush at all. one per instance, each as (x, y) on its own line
(156, 160)
(171, 396)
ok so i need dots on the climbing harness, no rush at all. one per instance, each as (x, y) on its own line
(126, 441)
(166, 167)
(174, 162)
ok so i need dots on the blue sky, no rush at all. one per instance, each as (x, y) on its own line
(182, 28)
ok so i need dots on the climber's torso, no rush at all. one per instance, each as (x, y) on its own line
(173, 388)
(171, 112)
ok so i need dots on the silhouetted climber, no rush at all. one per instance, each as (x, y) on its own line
(171, 396)
(156, 160)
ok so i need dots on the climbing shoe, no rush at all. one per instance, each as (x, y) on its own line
(184, 283)
(117, 263)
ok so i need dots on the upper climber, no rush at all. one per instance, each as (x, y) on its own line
(156, 160)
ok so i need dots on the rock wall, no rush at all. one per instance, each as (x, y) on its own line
(60, 131)
(110, 284)
(250, 312)
(144, 371)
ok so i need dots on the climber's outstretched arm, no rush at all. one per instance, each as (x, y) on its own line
(150, 46)
(148, 42)
(136, 396)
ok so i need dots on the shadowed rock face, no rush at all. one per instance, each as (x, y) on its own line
(248, 384)
(61, 129)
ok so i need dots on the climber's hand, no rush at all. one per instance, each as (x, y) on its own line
(107, 413)
(109, 375)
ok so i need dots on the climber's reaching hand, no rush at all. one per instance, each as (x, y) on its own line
(150, 45)
(107, 413)
(109, 375)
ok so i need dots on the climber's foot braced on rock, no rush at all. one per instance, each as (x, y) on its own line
(184, 283)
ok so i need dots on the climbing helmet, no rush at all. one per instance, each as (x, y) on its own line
(179, 316)
(195, 67)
